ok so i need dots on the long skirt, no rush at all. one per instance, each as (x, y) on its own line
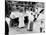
(21, 22)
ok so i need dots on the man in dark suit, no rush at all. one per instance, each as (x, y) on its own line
(6, 28)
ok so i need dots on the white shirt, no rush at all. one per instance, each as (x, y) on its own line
(15, 15)
(7, 20)
(29, 15)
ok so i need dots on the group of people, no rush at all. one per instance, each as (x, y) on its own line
(34, 15)
(21, 15)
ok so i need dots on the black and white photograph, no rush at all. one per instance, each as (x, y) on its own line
(24, 17)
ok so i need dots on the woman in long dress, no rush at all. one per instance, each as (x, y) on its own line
(21, 18)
